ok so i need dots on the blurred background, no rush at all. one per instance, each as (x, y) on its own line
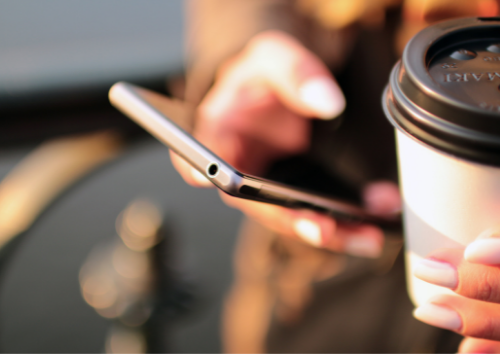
(103, 246)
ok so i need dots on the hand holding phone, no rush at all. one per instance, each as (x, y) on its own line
(147, 109)
(253, 115)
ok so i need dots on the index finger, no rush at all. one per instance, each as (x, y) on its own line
(447, 268)
(468, 317)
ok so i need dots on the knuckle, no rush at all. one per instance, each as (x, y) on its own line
(268, 44)
(489, 329)
(485, 292)
(270, 37)
(487, 289)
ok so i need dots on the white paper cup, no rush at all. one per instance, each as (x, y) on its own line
(448, 202)
(443, 98)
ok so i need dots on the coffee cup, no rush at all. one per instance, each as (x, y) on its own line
(443, 98)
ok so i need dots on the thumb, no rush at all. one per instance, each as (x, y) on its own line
(295, 75)
(382, 198)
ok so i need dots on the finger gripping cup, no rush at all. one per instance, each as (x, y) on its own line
(443, 99)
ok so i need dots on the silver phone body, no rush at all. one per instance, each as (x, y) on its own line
(147, 108)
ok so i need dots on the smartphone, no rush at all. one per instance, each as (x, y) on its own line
(154, 112)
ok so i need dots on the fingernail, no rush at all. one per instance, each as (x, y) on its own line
(323, 96)
(361, 246)
(437, 273)
(308, 231)
(200, 179)
(439, 316)
(483, 251)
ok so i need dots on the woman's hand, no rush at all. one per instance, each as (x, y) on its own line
(259, 110)
(474, 273)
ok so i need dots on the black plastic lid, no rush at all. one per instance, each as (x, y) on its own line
(446, 89)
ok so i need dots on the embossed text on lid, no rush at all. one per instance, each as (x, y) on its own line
(473, 81)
